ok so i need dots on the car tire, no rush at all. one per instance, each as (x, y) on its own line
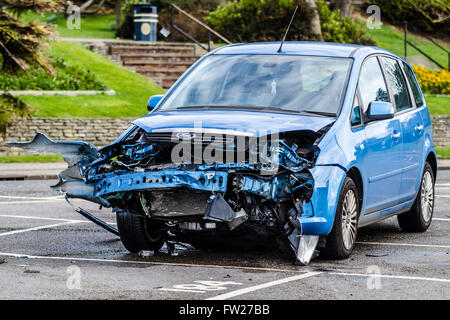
(418, 219)
(139, 233)
(341, 240)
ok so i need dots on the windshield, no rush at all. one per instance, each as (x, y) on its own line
(263, 82)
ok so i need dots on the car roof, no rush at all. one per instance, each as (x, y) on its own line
(308, 48)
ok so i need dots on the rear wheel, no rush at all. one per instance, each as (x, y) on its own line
(340, 241)
(139, 233)
(418, 219)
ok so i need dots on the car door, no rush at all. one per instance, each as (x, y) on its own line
(411, 127)
(382, 159)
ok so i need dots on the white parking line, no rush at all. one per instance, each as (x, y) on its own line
(263, 286)
(37, 228)
(33, 198)
(30, 201)
(40, 218)
(44, 218)
(402, 244)
(442, 196)
(441, 219)
(442, 185)
(19, 255)
(389, 276)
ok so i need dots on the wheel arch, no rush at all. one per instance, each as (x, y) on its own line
(355, 175)
(432, 160)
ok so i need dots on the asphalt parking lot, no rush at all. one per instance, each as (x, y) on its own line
(47, 251)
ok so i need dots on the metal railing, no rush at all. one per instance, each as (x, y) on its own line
(174, 27)
(405, 31)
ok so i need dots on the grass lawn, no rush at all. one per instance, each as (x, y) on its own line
(132, 90)
(438, 105)
(389, 38)
(32, 159)
(91, 26)
(444, 153)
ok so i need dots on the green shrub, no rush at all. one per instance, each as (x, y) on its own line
(420, 14)
(66, 77)
(266, 20)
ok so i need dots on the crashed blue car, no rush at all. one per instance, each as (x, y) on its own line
(301, 145)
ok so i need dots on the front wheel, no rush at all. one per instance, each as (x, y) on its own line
(139, 233)
(342, 238)
(418, 219)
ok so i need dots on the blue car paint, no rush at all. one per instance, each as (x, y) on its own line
(343, 148)
(247, 121)
(388, 186)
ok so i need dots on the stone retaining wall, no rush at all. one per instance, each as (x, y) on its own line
(102, 131)
(441, 129)
(99, 132)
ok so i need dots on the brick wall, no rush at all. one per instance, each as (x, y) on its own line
(101, 132)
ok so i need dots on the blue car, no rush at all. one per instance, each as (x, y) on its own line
(299, 146)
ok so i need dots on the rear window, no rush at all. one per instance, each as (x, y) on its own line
(414, 87)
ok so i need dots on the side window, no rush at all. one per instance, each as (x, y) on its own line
(414, 87)
(356, 113)
(371, 83)
(397, 83)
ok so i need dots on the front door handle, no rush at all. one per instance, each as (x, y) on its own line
(419, 128)
(396, 135)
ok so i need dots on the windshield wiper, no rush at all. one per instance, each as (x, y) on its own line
(267, 109)
(320, 113)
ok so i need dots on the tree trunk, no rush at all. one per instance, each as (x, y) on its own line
(118, 13)
(314, 23)
(346, 8)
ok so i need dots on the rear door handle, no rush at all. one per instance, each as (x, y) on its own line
(396, 135)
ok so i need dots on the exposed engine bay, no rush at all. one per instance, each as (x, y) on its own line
(188, 181)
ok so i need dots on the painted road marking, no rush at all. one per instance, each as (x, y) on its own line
(33, 198)
(29, 202)
(37, 228)
(403, 244)
(263, 286)
(21, 255)
(202, 286)
(441, 219)
(442, 196)
(43, 218)
(39, 218)
(389, 276)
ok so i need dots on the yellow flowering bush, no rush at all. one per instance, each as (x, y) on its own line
(434, 82)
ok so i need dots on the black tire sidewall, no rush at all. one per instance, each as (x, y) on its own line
(424, 223)
(334, 247)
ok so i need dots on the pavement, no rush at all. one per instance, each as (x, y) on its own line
(45, 171)
(47, 251)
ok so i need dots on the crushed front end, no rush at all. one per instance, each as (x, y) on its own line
(188, 181)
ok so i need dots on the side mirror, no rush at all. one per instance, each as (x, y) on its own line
(379, 110)
(153, 102)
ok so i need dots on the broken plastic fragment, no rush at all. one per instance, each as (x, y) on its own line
(219, 210)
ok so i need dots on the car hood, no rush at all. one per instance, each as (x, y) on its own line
(247, 121)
